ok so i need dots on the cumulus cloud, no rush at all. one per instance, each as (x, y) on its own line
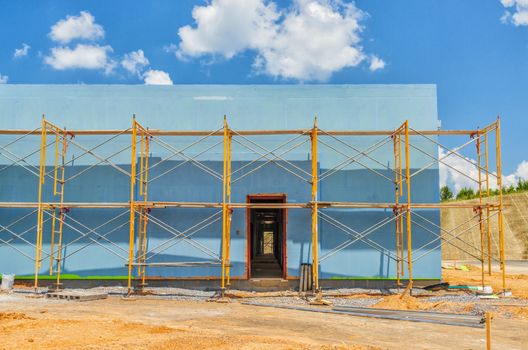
(157, 77)
(134, 62)
(76, 27)
(82, 56)
(376, 63)
(516, 13)
(3, 79)
(520, 173)
(227, 27)
(458, 172)
(23, 51)
(309, 41)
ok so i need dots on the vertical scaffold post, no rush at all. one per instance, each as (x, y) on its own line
(500, 217)
(481, 226)
(396, 199)
(61, 209)
(132, 206)
(229, 210)
(397, 193)
(315, 233)
(400, 227)
(488, 223)
(53, 210)
(42, 175)
(224, 208)
(143, 210)
(408, 209)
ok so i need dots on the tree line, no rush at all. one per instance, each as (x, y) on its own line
(468, 193)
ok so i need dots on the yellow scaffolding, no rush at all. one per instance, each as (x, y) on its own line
(315, 215)
(402, 209)
(61, 143)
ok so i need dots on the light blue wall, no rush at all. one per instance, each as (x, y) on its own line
(353, 107)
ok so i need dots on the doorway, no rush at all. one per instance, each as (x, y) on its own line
(266, 238)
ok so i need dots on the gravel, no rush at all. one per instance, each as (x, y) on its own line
(335, 296)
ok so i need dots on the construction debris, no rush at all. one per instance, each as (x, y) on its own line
(402, 315)
(76, 296)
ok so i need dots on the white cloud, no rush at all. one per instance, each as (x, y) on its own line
(23, 51)
(376, 63)
(156, 77)
(82, 56)
(520, 173)
(459, 172)
(315, 40)
(309, 41)
(172, 48)
(3, 79)
(227, 27)
(76, 27)
(522, 170)
(516, 13)
(134, 62)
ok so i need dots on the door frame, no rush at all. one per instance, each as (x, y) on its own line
(270, 196)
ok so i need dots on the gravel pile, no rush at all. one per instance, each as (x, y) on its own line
(179, 292)
(458, 298)
(358, 302)
(349, 291)
(278, 300)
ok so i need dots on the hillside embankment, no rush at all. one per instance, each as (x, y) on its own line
(515, 230)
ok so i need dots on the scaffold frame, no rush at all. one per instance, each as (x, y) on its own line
(139, 205)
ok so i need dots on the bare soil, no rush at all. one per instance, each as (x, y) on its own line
(146, 323)
(150, 323)
(517, 283)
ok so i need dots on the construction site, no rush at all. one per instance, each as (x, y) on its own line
(241, 216)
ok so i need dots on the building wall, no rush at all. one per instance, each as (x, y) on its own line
(343, 107)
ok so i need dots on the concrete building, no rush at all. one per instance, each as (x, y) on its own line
(271, 242)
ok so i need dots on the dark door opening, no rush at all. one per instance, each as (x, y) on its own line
(266, 238)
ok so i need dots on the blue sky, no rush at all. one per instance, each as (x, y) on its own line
(476, 52)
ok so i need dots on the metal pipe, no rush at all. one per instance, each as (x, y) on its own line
(157, 132)
(314, 197)
(501, 217)
(408, 216)
(391, 315)
(131, 237)
(488, 330)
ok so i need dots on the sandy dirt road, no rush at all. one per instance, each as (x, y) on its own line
(30, 323)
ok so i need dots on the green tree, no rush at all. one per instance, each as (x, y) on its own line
(465, 193)
(522, 185)
(445, 193)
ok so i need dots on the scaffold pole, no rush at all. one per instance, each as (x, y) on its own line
(314, 197)
(131, 238)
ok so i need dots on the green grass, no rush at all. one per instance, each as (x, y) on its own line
(67, 276)
(379, 278)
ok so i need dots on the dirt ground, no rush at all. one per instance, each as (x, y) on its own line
(28, 322)
(114, 323)
(517, 283)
